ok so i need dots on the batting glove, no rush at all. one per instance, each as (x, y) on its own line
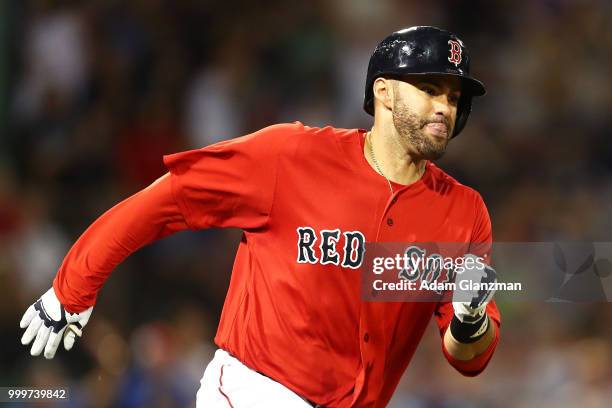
(470, 299)
(47, 322)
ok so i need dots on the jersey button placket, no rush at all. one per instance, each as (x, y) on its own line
(391, 203)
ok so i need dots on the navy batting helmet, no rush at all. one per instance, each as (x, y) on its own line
(424, 50)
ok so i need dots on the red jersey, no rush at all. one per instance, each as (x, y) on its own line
(294, 312)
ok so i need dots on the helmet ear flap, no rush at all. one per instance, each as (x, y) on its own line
(368, 101)
(464, 107)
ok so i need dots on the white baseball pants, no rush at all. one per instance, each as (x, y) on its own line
(227, 383)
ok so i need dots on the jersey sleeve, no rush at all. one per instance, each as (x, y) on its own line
(470, 368)
(142, 218)
(482, 236)
(231, 183)
(480, 245)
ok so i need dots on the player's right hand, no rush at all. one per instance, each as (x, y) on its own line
(46, 322)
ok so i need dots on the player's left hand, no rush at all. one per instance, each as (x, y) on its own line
(470, 303)
(46, 320)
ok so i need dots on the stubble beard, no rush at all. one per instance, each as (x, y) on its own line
(411, 130)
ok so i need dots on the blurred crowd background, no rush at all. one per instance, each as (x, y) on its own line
(93, 93)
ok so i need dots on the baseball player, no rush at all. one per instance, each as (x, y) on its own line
(294, 331)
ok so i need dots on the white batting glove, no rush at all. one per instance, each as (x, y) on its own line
(470, 300)
(47, 321)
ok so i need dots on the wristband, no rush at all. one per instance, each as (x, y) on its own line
(469, 332)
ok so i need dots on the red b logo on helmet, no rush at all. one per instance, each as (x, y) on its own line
(455, 52)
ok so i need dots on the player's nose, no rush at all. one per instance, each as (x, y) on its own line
(442, 105)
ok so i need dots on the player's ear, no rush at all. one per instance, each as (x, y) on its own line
(383, 93)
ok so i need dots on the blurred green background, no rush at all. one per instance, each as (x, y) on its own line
(93, 93)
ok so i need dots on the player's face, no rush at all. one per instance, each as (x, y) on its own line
(424, 112)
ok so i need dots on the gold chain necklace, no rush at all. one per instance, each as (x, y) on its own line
(369, 136)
